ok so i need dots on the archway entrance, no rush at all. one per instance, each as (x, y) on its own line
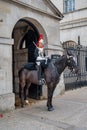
(24, 34)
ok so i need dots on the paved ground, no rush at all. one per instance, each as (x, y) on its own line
(70, 114)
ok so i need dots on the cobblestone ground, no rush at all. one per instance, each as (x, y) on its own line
(70, 114)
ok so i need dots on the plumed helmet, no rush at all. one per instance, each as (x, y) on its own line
(40, 42)
(41, 39)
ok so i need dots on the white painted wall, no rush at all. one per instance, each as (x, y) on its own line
(80, 4)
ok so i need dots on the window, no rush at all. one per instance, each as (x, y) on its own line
(69, 6)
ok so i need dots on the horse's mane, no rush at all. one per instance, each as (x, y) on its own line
(60, 59)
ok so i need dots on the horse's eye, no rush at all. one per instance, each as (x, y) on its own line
(68, 61)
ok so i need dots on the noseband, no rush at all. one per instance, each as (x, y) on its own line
(69, 61)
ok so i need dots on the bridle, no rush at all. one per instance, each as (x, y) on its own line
(68, 61)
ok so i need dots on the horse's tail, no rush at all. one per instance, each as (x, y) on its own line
(20, 71)
(19, 91)
(19, 74)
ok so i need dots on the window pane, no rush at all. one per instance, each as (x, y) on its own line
(69, 5)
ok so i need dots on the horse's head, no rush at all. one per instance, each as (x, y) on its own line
(71, 63)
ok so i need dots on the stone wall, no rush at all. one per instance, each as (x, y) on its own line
(74, 23)
(6, 87)
(79, 4)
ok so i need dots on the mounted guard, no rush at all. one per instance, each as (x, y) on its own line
(40, 58)
(52, 75)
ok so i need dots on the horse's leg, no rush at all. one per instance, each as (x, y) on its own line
(26, 92)
(22, 85)
(51, 89)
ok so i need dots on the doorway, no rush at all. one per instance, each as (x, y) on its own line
(24, 34)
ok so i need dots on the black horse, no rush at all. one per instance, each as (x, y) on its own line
(51, 74)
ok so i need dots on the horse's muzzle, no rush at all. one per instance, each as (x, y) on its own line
(75, 70)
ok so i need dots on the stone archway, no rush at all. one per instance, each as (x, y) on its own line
(25, 32)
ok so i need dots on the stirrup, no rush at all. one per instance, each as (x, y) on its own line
(41, 82)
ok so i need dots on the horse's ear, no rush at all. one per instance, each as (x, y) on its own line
(69, 52)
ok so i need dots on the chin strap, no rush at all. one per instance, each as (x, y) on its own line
(35, 44)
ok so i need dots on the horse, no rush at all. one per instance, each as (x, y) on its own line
(52, 75)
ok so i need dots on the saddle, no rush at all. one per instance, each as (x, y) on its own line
(30, 66)
(33, 66)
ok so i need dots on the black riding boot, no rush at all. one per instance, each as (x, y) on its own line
(41, 81)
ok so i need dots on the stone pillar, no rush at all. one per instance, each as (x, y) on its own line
(7, 99)
(60, 88)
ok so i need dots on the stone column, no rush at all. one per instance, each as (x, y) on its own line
(7, 98)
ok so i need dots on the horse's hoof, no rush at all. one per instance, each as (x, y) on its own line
(50, 108)
(22, 106)
(26, 102)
